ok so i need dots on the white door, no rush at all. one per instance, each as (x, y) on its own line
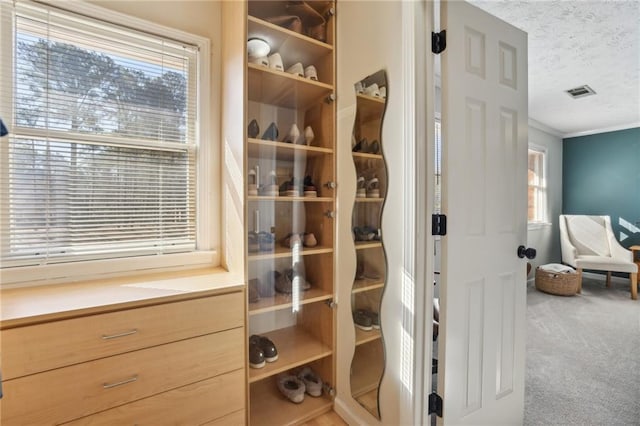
(483, 293)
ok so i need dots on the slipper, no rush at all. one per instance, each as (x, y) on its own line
(267, 241)
(309, 188)
(374, 147)
(253, 183)
(309, 240)
(362, 146)
(369, 90)
(271, 189)
(312, 382)
(291, 387)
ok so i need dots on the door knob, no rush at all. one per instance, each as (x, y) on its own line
(529, 253)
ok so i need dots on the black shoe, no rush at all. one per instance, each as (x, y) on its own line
(362, 320)
(256, 356)
(269, 350)
(253, 129)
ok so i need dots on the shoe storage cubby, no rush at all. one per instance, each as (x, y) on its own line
(367, 365)
(290, 208)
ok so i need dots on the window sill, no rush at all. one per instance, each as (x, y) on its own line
(532, 226)
(28, 305)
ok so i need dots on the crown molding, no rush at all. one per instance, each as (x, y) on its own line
(544, 128)
(604, 130)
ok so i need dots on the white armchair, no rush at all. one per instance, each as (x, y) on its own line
(588, 242)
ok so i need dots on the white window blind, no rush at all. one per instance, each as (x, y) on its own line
(101, 158)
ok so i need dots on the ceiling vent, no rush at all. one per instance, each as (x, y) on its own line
(581, 92)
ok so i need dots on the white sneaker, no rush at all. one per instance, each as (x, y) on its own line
(311, 73)
(369, 90)
(264, 61)
(296, 69)
(275, 62)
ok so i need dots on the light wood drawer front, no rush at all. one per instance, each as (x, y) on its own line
(233, 419)
(28, 350)
(68, 393)
(189, 405)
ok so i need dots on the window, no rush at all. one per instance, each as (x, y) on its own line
(537, 189)
(102, 160)
(438, 168)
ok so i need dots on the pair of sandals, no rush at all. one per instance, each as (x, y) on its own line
(365, 147)
(294, 387)
(306, 239)
(302, 18)
(367, 189)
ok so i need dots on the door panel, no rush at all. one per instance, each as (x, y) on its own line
(483, 293)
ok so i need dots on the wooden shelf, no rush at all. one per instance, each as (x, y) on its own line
(366, 368)
(286, 199)
(363, 245)
(369, 401)
(283, 89)
(283, 252)
(367, 336)
(369, 200)
(295, 347)
(360, 286)
(269, 406)
(369, 108)
(283, 151)
(298, 47)
(284, 301)
(366, 155)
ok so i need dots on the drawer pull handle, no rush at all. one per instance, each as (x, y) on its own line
(120, 383)
(115, 336)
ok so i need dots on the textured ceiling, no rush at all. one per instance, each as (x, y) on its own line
(572, 43)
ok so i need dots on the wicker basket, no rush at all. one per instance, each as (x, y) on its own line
(558, 283)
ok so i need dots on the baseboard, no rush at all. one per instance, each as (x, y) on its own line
(343, 411)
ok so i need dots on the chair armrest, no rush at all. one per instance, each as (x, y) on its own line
(569, 252)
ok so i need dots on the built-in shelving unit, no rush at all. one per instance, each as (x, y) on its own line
(301, 323)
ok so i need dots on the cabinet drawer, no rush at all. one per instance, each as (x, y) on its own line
(64, 394)
(233, 419)
(189, 405)
(31, 349)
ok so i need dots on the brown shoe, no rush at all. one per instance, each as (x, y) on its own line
(290, 22)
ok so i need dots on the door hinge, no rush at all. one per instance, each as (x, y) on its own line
(435, 404)
(438, 224)
(330, 303)
(439, 41)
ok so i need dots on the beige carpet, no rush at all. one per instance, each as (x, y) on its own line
(583, 357)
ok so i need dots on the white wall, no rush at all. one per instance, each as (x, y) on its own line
(546, 238)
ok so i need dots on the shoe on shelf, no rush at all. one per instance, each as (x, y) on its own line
(254, 292)
(290, 278)
(362, 320)
(296, 69)
(290, 188)
(364, 233)
(361, 191)
(364, 273)
(267, 241)
(374, 147)
(312, 382)
(256, 356)
(311, 73)
(291, 387)
(271, 134)
(290, 22)
(275, 62)
(269, 350)
(373, 188)
(293, 135)
(264, 61)
(252, 187)
(292, 240)
(271, 189)
(361, 146)
(309, 188)
(253, 242)
(253, 130)
(375, 319)
(309, 240)
(372, 90)
(383, 92)
(308, 135)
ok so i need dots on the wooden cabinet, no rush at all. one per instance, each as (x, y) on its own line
(180, 362)
(291, 193)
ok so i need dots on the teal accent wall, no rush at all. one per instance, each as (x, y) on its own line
(601, 176)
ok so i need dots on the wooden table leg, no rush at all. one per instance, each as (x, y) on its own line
(634, 285)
